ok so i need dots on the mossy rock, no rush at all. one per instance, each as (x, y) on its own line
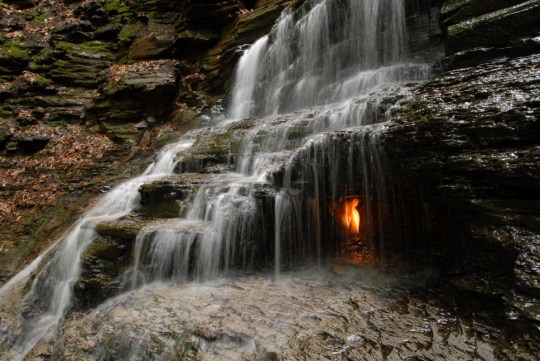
(125, 228)
(154, 47)
(117, 7)
(130, 32)
(218, 144)
(125, 133)
(186, 119)
(107, 248)
(167, 198)
(103, 263)
(13, 57)
(142, 91)
(108, 32)
(42, 61)
(14, 50)
(496, 28)
(42, 82)
(82, 64)
(94, 46)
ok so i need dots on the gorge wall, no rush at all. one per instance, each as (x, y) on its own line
(469, 138)
(91, 88)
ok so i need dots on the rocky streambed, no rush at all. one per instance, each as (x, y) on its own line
(334, 313)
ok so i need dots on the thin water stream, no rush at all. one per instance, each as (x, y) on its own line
(50, 296)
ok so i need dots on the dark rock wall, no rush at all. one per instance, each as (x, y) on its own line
(55, 56)
(477, 30)
(468, 141)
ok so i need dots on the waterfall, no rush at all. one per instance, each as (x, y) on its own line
(327, 56)
(50, 295)
(325, 52)
(309, 82)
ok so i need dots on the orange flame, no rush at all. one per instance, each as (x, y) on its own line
(351, 216)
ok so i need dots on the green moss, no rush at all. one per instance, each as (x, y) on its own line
(116, 6)
(5, 112)
(42, 81)
(130, 32)
(28, 14)
(57, 123)
(14, 50)
(91, 46)
(96, 46)
(120, 10)
(63, 46)
(40, 19)
(218, 144)
(43, 57)
(35, 67)
(164, 139)
(105, 249)
(27, 248)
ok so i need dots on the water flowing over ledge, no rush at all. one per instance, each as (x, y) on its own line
(326, 51)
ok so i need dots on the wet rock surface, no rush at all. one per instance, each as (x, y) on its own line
(360, 314)
(477, 31)
(479, 135)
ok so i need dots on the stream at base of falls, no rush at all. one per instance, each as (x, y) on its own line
(335, 313)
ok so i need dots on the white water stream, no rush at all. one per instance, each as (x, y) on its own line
(52, 287)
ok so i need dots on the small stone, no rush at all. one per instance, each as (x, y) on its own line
(141, 125)
(32, 144)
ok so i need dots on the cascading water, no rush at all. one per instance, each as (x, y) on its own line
(328, 51)
(269, 204)
(49, 298)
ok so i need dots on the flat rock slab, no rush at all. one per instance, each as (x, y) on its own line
(129, 226)
(359, 315)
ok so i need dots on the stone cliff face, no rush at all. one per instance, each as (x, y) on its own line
(470, 138)
(77, 61)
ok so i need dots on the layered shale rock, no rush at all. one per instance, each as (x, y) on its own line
(478, 170)
(478, 31)
(479, 167)
(133, 93)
